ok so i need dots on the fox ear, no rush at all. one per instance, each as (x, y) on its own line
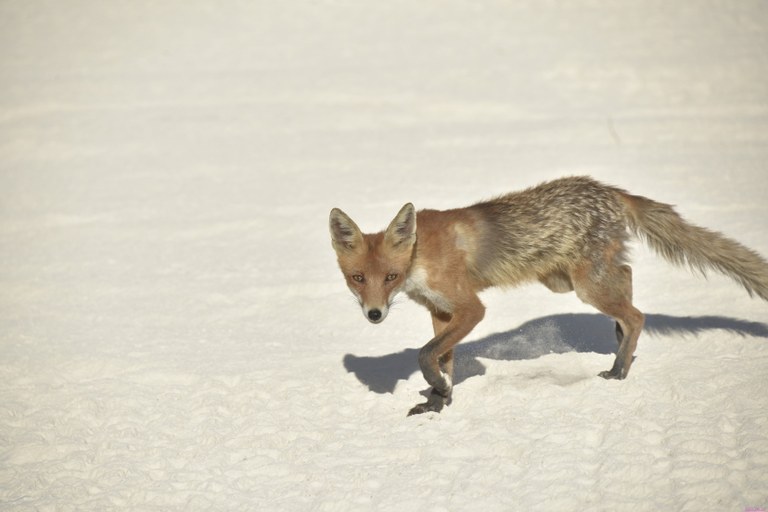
(345, 235)
(402, 230)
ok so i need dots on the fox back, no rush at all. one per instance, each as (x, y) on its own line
(532, 233)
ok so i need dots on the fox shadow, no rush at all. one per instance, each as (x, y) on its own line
(555, 334)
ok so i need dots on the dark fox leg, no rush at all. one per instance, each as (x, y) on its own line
(446, 364)
(610, 291)
(439, 323)
(436, 357)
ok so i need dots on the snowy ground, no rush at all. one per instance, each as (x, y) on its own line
(174, 332)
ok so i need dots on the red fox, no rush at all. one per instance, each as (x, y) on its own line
(568, 234)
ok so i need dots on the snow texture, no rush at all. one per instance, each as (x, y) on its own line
(174, 332)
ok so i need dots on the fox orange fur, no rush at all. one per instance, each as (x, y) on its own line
(568, 234)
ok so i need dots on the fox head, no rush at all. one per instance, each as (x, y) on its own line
(375, 266)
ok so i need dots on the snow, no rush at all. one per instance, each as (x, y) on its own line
(175, 333)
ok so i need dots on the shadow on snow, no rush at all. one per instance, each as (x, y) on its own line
(554, 334)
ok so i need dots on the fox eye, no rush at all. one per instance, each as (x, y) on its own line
(358, 278)
(391, 277)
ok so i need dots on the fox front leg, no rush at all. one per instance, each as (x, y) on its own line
(441, 382)
(438, 354)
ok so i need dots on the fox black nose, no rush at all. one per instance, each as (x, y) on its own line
(374, 315)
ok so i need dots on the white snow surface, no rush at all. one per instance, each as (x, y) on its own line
(175, 333)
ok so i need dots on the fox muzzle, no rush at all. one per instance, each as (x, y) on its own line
(375, 315)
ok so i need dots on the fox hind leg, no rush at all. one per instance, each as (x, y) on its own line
(610, 291)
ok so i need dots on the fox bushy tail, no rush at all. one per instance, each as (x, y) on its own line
(702, 249)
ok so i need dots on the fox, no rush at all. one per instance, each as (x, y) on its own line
(570, 234)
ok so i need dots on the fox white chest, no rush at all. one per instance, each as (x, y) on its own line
(418, 289)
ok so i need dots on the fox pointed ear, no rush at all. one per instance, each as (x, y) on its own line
(345, 235)
(402, 230)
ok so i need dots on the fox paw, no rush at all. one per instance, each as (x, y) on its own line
(613, 374)
(434, 403)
